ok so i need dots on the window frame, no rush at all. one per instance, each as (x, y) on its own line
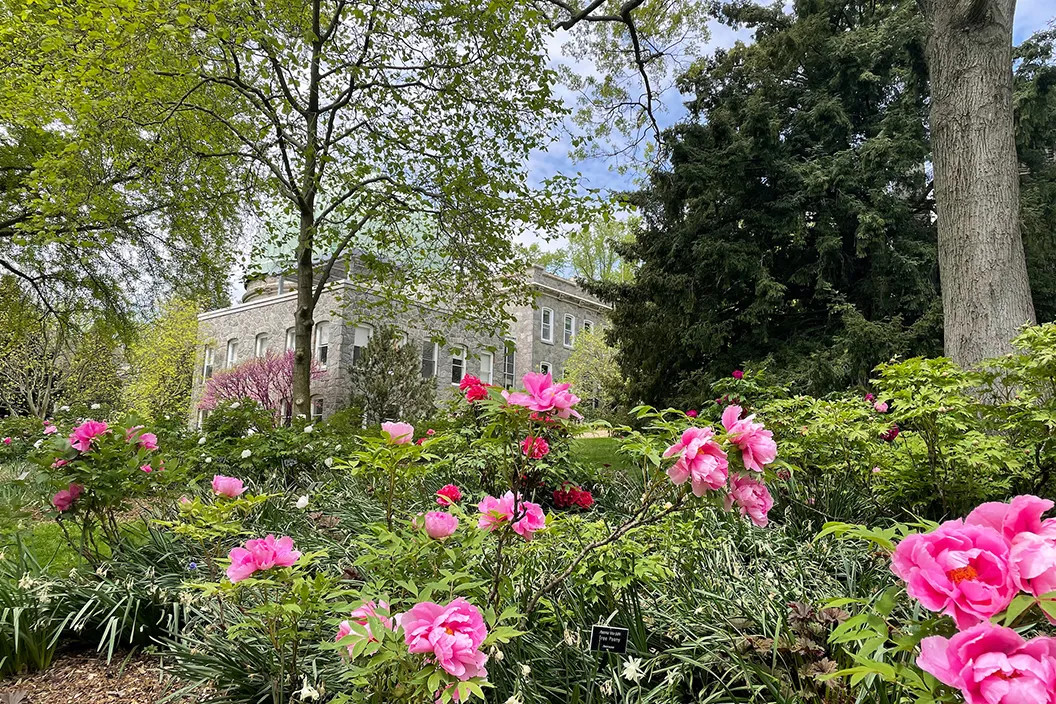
(509, 365)
(545, 335)
(208, 361)
(588, 325)
(568, 336)
(315, 417)
(358, 349)
(260, 350)
(291, 339)
(491, 367)
(321, 350)
(458, 354)
(546, 368)
(435, 359)
(232, 353)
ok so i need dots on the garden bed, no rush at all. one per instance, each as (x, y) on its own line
(86, 678)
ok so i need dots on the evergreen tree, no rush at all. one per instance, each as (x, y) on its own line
(387, 383)
(795, 222)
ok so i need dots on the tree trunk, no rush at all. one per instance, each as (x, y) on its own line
(304, 318)
(985, 292)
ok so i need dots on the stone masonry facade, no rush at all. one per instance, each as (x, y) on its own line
(540, 338)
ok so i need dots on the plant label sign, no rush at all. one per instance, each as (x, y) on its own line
(289, 462)
(608, 639)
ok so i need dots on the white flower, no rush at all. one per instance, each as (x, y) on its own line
(250, 432)
(96, 406)
(309, 428)
(307, 691)
(208, 460)
(337, 449)
(246, 454)
(514, 700)
(236, 404)
(168, 417)
(606, 688)
(329, 461)
(64, 408)
(201, 440)
(526, 671)
(302, 501)
(38, 443)
(632, 670)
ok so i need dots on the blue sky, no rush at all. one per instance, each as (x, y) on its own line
(1031, 16)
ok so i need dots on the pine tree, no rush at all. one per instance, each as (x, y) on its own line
(387, 383)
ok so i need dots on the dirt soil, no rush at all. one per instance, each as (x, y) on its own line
(85, 678)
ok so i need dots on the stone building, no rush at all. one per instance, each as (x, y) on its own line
(540, 338)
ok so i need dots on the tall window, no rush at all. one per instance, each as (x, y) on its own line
(286, 412)
(202, 415)
(487, 365)
(429, 354)
(232, 352)
(261, 346)
(359, 342)
(588, 325)
(322, 342)
(291, 339)
(509, 366)
(570, 329)
(458, 365)
(545, 367)
(207, 364)
(317, 409)
(546, 327)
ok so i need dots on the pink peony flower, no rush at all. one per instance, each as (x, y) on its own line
(59, 463)
(7, 441)
(737, 374)
(82, 436)
(869, 398)
(1020, 515)
(147, 468)
(476, 393)
(755, 442)
(148, 441)
(535, 447)
(1032, 561)
(231, 487)
(452, 634)
(440, 525)
(50, 429)
(362, 616)
(430, 432)
(449, 494)
(398, 433)
(890, 434)
(880, 407)
(65, 498)
(992, 664)
(543, 396)
(184, 501)
(752, 497)
(691, 413)
(494, 513)
(700, 459)
(261, 554)
(958, 569)
(468, 382)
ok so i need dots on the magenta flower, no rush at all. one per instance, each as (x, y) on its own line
(49, 429)
(1020, 515)
(147, 468)
(82, 436)
(691, 413)
(992, 664)
(398, 433)
(449, 494)
(1032, 562)
(737, 374)
(543, 396)
(451, 634)
(261, 554)
(494, 513)
(756, 444)
(440, 525)
(880, 407)
(231, 487)
(148, 441)
(958, 569)
(535, 447)
(65, 498)
(869, 398)
(533, 519)
(700, 459)
(59, 463)
(752, 498)
(890, 434)
(362, 616)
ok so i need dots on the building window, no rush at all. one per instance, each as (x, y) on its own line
(232, 353)
(570, 329)
(261, 346)
(458, 364)
(509, 365)
(285, 412)
(546, 327)
(291, 339)
(317, 409)
(545, 367)
(207, 364)
(429, 354)
(588, 325)
(359, 342)
(202, 415)
(487, 365)
(322, 342)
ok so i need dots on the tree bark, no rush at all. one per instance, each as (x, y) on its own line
(985, 292)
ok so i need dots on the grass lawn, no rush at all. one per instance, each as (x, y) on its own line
(600, 451)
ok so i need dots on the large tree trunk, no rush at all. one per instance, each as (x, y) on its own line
(985, 292)
(304, 318)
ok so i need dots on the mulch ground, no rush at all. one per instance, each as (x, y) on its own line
(85, 678)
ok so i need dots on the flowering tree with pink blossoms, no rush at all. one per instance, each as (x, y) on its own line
(988, 582)
(268, 380)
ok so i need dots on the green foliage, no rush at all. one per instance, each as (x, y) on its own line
(387, 382)
(591, 253)
(593, 371)
(162, 361)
